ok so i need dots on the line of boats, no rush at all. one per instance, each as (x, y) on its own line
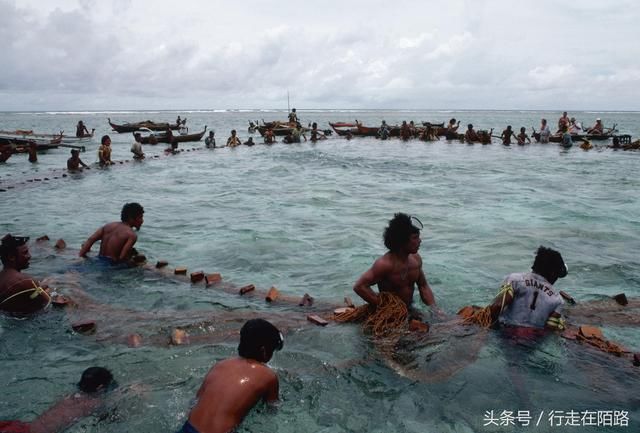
(162, 132)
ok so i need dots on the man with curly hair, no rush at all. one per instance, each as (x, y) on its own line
(400, 269)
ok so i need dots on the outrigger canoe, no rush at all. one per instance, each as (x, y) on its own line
(178, 138)
(132, 127)
(22, 138)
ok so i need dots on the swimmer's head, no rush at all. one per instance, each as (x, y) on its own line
(95, 379)
(132, 213)
(259, 339)
(14, 250)
(399, 231)
(549, 264)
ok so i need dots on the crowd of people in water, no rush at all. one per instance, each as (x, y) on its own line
(527, 304)
(569, 131)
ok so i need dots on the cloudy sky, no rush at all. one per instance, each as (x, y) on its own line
(431, 54)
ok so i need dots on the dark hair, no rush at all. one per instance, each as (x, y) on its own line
(399, 231)
(470, 126)
(94, 377)
(104, 138)
(130, 211)
(549, 264)
(9, 245)
(453, 120)
(256, 334)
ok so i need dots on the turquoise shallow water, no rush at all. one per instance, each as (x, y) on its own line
(309, 218)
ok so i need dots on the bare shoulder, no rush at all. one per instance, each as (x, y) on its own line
(418, 258)
(383, 264)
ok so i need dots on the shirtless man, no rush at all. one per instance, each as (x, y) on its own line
(400, 269)
(233, 386)
(117, 238)
(20, 293)
(563, 122)
(523, 137)
(82, 131)
(452, 129)
(506, 136)
(233, 139)
(74, 163)
(471, 136)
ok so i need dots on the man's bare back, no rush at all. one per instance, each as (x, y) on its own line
(117, 238)
(231, 388)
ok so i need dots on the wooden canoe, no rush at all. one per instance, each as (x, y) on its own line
(162, 138)
(132, 127)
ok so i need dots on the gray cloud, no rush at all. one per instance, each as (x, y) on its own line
(455, 54)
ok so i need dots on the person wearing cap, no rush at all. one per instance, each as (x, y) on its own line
(596, 129)
(528, 299)
(20, 294)
(117, 238)
(400, 269)
(233, 386)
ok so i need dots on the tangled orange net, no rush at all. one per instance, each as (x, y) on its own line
(388, 317)
(472, 314)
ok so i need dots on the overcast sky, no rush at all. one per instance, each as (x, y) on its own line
(454, 54)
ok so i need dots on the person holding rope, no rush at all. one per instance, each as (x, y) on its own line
(529, 300)
(399, 270)
(20, 294)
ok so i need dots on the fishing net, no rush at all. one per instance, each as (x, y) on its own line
(387, 318)
(472, 314)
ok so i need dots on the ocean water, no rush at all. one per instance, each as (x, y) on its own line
(308, 218)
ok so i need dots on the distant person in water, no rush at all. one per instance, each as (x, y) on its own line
(82, 131)
(249, 142)
(506, 136)
(398, 271)
(452, 129)
(210, 141)
(104, 151)
(33, 152)
(470, 135)
(233, 140)
(269, 138)
(523, 137)
(117, 238)
(20, 294)
(545, 132)
(316, 134)
(136, 147)
(90, 398)
(75, 163)
(233, 386)
(5, 152)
